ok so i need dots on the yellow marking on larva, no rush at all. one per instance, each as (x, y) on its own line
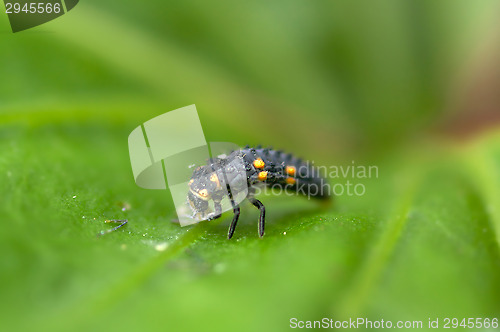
(290, 180)
(262, 176)
(203, 193)
(191, 181)
(259, 163)
(290, 170)
(215, 178)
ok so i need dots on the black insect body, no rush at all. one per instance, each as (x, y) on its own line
(259, 166)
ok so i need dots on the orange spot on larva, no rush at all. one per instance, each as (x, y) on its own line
(259, 163)
(215, 178)
(262, 176)
(290, 170)
(290, 180)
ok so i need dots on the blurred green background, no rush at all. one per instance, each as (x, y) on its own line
(412, 87)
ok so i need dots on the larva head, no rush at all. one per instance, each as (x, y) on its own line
(203, 185)
(198, 205)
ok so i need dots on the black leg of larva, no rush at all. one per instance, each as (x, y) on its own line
(236, 210)
(122, 222)
(217, 213)
(262, 217)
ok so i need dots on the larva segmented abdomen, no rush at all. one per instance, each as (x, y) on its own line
(276, 168)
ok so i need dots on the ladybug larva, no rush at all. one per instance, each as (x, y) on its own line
(262, 166)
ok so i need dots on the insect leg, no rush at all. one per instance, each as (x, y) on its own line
(217, 213)
(236, 210)
(122, 223)
(262, 218)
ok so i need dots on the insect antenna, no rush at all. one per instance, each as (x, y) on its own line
(122, 223)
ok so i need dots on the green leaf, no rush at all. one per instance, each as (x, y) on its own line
(422, 237)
